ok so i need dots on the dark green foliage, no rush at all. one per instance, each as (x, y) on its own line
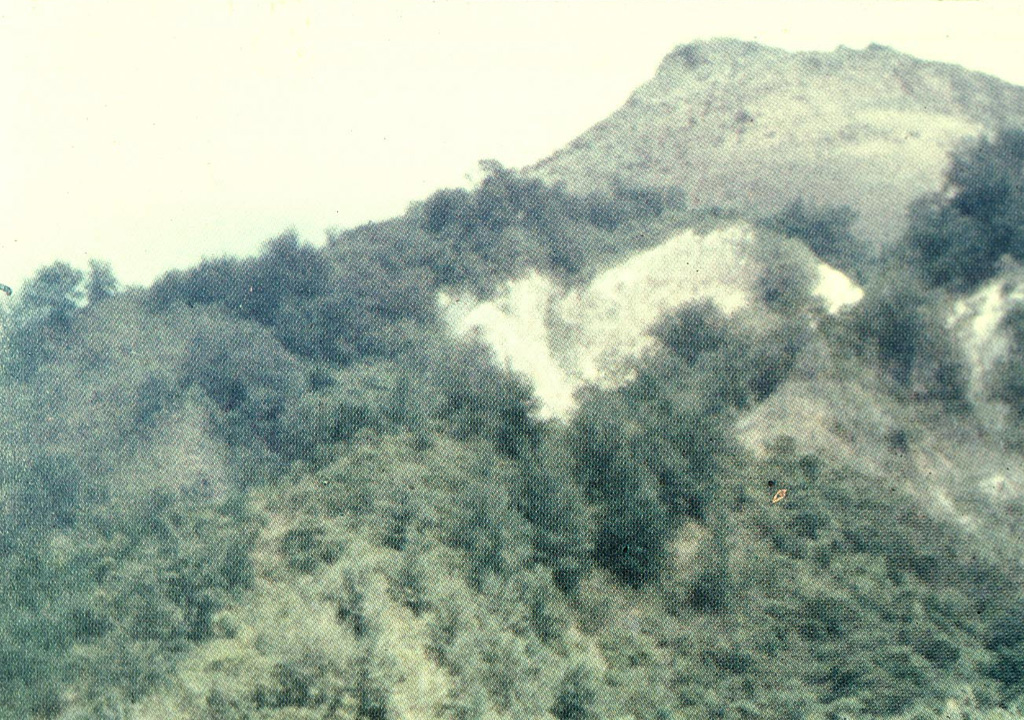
(374, 302)
(881, 595)
(579, 694)
(693, 330)
(786, 279)
(901, 326)
(305, 548)
(351, 602)
(827, 616)
(102, 282)
(414, 579)
(929, 643)
(827, 232)
(1007, 627)
(712, 587)
(630, 540)
(315, 308)
(449, 209)
(511, 223)
(221, 705)
(549, 498)
(654, 451)
(1008, 667)
(136, 668)
(1006, 641)
(490, 531)
(358, 397)
(152, 396)
(955, 250)
(49, 495)
(1008, 385)
(636, 202)
(891, 319)
(162, 588)
(504, 666)
(467, 701)
(54, 294)
(960, 236)
(727, 363)
(650, 430)
(548, 617)
(449, 618)
(247, 374)
(480, 400)
(402, 514)
(987, 177)
(32, 648)
(374, 678)
(253, 289)
(43, 319)
(293, 685)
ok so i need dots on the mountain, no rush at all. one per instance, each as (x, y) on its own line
(744, 126)
(524, 452)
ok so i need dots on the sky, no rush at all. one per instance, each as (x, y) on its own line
(153, 134)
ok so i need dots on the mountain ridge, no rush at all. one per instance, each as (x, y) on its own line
(731, 123)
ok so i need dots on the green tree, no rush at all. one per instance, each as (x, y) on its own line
(891, 320)
(102, 282)
(630, 540)
(694, 329)
(490, 531)
(43, 319)
(960, 235)
(1009, 380)
(52, 494)
(579, 694)
(482, 400)
(375, 676)
(552, 502)
(828, 232)
(244, 370)
(786, 279)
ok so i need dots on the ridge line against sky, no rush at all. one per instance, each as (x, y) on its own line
(154, 134)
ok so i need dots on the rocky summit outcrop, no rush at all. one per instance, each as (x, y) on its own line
(739, 125)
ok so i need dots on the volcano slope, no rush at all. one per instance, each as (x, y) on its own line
(744, 126)
(514, 454)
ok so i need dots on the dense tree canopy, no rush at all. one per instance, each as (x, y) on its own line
(277, 487)
(960, 235)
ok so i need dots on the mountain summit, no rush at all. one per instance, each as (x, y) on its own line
(753, 128)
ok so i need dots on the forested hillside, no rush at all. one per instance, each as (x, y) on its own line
(281, 487)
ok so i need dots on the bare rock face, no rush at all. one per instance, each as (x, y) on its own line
(739, 125)
(562, 339)
(978, 322)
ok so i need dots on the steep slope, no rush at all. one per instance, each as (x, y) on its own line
(311, 501)
(740, 125)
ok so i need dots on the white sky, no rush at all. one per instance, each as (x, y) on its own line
(151, 134)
